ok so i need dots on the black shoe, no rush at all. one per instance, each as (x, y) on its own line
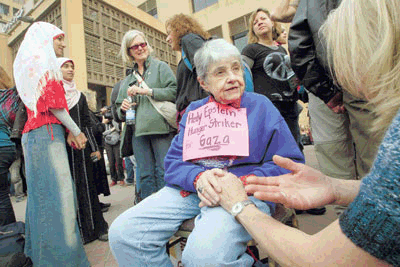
(316, 211)
(299, 211)
(105, 205)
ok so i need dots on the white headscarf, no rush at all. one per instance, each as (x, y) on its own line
(36, 62)
(71, 93)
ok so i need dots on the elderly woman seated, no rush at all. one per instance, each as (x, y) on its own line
(229, 131)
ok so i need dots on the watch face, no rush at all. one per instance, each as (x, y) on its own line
(237, 207)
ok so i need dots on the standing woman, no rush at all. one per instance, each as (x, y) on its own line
(152, 135)
(52, 234)
(270, 66)
(187, 35)
(90, 217)
(9, 102)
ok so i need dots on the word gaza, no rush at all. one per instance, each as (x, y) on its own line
(213, 142)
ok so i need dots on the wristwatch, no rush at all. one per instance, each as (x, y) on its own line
(151, 92)
(239, 206)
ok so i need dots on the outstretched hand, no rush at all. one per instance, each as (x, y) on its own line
(303, 188)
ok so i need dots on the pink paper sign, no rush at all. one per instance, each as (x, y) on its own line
(216, 130)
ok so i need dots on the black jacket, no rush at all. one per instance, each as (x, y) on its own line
(308, 50)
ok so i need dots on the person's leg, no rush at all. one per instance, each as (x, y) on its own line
(218, 239)
(119, 164)
(130, 176)
(16, 179)
(145, 165)
(291, 117)
(333, 143)
(7, 157)
(160, 144)
(53, 237)
(138, 236)
(366, 143)
(111, 162)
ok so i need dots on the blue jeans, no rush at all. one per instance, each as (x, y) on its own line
(51, 229)
(130, 165)
(7, 157)
(138, 236)
(150, 151)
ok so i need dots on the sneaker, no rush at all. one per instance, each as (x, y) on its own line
(122, 183)
(113, 183)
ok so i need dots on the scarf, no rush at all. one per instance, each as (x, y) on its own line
(36, 63)
(72, 94)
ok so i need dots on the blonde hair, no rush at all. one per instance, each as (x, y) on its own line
(126, 42)
(252, 35)
(363, 44)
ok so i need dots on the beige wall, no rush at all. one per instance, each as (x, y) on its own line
(6, 60)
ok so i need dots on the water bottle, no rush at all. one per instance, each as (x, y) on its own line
(130, 113)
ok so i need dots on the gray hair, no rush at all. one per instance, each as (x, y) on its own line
(211, 52)
(126, 42)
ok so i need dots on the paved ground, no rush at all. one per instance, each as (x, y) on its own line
(121, 199)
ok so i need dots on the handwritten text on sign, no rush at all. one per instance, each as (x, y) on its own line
(216, 130)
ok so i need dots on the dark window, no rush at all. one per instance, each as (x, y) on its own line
(4, 9)
(201, 4)
(149, 7)
(15, 11)
(240, 40)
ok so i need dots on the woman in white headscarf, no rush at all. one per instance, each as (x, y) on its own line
(90, 217)
(52, 233)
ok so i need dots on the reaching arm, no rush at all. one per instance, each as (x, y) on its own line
(329, 247)
(285, 11)
(302, 188)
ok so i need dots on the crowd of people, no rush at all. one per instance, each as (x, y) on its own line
(201, 146)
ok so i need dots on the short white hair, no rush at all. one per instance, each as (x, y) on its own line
(211, 52)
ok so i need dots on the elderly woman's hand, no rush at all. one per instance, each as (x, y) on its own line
(208, 187)
(232, 191)
(136, 90)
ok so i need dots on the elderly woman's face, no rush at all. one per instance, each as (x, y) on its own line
(68, 71)
(138, 49)
(224, 80)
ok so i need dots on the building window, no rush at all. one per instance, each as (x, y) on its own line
(239, 29)
(150, 7)
(240, 40)
(216, 32)
(15, 11)
(4, 9)
(201, 4)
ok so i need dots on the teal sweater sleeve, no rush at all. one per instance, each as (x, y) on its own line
(372, 220)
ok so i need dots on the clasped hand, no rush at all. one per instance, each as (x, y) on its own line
(77, 142)
(303, 188)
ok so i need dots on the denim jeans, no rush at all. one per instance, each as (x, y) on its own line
(7, 157)
(130, 166)
(138, 236)
(150, 151)
(51, 229)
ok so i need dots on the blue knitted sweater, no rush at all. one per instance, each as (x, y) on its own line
(372, 220)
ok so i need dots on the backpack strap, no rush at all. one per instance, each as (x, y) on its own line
(186, 61)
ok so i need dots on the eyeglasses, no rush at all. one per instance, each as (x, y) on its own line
(136, 47)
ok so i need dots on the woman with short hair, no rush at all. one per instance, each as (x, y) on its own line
(152, 134)
(229, 131)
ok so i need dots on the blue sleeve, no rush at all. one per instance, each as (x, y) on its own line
(372, 220)
(178, 172)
